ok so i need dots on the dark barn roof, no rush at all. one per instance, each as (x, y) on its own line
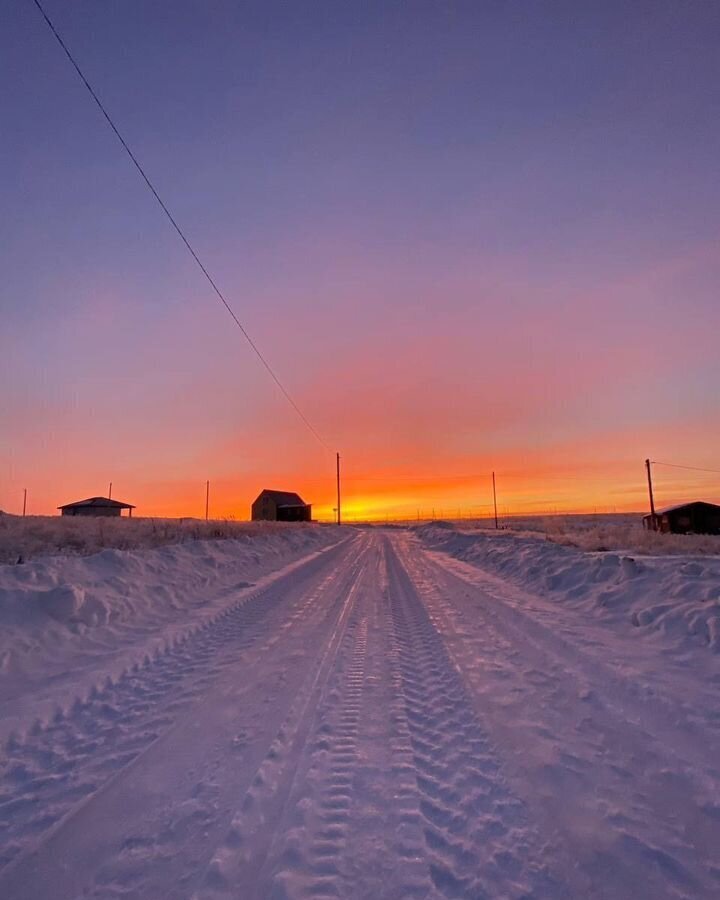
(284, 498)
(103, 502)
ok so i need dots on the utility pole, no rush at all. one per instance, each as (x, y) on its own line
(24, 501)
(110, 491)
(495, 502)
(207, 499)
(652, 499)
(339, 516)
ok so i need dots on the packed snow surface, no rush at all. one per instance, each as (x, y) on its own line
(359, 714)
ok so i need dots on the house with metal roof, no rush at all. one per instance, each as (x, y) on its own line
(281, 506)
(96, 506)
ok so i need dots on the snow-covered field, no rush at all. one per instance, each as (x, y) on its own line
(360, 713)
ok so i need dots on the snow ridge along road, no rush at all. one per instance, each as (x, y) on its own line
(377, 723)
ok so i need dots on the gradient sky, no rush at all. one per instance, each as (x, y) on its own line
(468, 236)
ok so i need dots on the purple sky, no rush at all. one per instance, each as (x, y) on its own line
(467, 235)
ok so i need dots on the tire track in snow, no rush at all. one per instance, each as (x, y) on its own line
(354, 796)
(478, 835)
(333, 792)
(311, 859)
(521, 625)
(385, 822)
(282, 842)
(625, 828)
(58, 770)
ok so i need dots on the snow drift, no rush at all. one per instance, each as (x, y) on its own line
(673, 596)
(64, 619)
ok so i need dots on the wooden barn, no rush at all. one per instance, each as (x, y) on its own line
(281, 506)
(685, 518)
(96, 506)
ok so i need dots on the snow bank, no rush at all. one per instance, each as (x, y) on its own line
(673, 596)
(63, 618)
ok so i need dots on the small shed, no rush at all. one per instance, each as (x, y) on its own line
(281, 506)
(96, 506)
(697, 517)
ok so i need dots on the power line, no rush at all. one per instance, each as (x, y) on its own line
(175, 225)
(655, 462)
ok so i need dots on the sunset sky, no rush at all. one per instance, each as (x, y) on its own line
(467, 236)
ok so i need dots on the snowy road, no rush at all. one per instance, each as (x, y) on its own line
(379, 721)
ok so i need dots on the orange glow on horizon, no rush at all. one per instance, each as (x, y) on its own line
(545, 483)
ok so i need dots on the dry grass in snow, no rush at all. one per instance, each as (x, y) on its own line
(630, 536)
(35, 536)
(596, 533)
